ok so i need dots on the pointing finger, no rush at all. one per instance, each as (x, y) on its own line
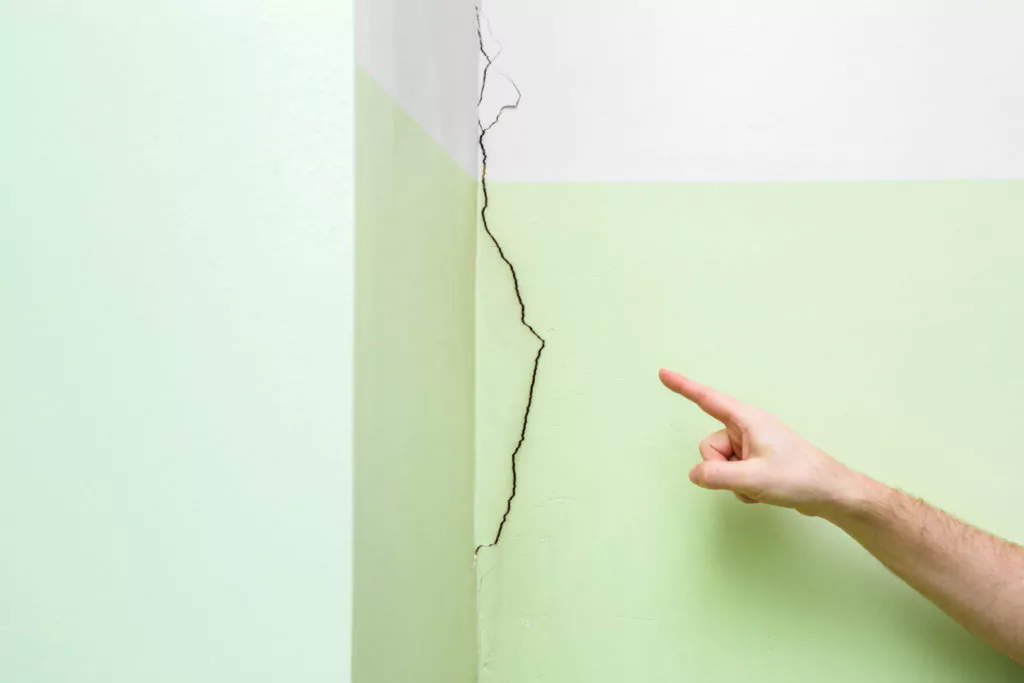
(716, 404)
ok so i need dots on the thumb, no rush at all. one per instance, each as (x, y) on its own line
(732, 475)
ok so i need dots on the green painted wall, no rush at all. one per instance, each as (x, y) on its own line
(415, 609)
(176, 202)
(883, 320)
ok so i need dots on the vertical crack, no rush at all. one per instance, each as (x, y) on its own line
(484, 130)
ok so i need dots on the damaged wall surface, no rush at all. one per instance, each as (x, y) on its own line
(175, 482)
(860, 310)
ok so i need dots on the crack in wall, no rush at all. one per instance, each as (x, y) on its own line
(484, 130)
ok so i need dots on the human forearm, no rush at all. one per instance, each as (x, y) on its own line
(974, 577)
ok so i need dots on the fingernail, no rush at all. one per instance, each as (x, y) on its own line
(693, 475)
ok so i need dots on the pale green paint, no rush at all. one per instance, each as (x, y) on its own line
(884, 320)
(415, 609)
(176, 213)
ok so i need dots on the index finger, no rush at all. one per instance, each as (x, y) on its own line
(713, 402)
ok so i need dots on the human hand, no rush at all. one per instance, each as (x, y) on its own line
(759, 458)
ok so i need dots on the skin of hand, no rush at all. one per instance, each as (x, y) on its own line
(973, 576)
(759, 458)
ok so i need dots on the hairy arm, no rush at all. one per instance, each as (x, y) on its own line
(973, 576)
(976, 578)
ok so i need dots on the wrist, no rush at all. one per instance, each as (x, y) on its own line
(856, 497)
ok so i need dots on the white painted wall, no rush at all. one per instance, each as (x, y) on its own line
(736, 90)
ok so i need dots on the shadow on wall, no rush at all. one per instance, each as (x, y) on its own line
(766, 558)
